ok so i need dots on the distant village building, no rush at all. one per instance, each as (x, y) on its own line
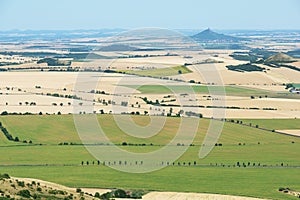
(295, 90)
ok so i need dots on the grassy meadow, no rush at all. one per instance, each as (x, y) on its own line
(167, 71)
(62, 163)
(254, 182)
(161, 89)
(207, 89)
(276, 124)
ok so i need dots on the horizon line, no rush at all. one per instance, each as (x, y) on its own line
(118, 28)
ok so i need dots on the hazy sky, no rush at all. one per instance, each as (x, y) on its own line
(174, 14)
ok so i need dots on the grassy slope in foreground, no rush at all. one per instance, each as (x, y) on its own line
(255, 182)
(260, 182)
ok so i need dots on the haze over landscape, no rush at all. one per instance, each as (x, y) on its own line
(190, 14)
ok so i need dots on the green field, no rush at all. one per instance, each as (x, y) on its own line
(49, 161)
(230, 90)
(203, 89)
(296, 85)
(276, 124)
(253, 182)
(161, 89)
(161, 72)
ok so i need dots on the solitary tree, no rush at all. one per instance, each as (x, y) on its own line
(97, 195)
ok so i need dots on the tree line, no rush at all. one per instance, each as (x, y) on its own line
(9, 136)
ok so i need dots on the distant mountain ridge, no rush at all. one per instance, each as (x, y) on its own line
(209, 36)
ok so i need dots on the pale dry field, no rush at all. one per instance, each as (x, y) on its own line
(273, 75)
(146, 63)
(26, 65)
(79, 84)
(294, 132)
(191, 196)
(240, 78)
(56, 82)
(44, 104)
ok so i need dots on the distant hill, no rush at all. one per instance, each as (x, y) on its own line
(118, 47)
(248, 67)
(280, 58)
(53, 62)
(209, 36)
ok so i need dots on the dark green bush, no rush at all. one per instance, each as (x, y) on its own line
(24, 193)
